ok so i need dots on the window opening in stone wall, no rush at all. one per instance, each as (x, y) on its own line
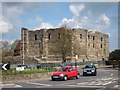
(88, 36)
(88, 44)
(80, 36)
(93, 45)
(93, 37)
(101, 39)
(104, 50)
(59, 36)
(101, 45)
(35, 37)
(49, 36)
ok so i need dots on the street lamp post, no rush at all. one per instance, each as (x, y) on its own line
(23, 48)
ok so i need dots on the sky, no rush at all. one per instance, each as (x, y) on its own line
(94, 16)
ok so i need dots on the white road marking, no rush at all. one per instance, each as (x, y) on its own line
(97, 82)
(115, 78)
(10, 85)
(107, 83)
(38, 84)
(85, 86)
(116, 86)
(111, 74)
(105, 79)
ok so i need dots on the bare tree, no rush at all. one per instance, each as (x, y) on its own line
(64, 43)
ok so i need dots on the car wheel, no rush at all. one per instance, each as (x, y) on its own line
(84, 74)
(65, 78)
(78, 76)
(53, 79)
(95, 74)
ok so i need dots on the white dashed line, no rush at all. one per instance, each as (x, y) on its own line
(107, 83)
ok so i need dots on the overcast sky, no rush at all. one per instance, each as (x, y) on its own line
(96, 16)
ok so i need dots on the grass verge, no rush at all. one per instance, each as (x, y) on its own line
(26, 71)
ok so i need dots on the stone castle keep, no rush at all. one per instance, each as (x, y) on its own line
(56, 44)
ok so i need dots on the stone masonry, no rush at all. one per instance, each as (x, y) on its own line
(43, 44)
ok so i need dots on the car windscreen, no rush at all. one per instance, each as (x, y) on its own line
(89, 66)
(64, 69)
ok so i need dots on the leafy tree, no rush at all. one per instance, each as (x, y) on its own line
(115, 55)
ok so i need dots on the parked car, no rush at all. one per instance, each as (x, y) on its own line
(25, 66)
(66, 72)
(89, 70)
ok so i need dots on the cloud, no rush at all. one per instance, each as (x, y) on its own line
(76, 9)
(44, 25)
(5, 25)
(13, 13)
(87, 19)
(104, 20)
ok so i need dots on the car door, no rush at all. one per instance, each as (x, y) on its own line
(71, 72)
(75, 71)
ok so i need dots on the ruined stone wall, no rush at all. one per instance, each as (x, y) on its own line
(79, 43)
(56, 43)
(90, 45)
(45, 44)
(35, 42)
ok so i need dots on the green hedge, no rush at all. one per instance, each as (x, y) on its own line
(26, 71)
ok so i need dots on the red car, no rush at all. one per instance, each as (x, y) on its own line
(65, 73)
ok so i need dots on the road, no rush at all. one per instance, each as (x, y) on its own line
(106, 78)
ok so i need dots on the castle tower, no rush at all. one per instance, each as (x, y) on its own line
(45, 45)
(24, 41)
(106, 47)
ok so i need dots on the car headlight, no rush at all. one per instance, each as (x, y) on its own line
(85, 70)
(62, 75)
(93, 70)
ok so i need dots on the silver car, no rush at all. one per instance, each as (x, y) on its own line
(89, 70)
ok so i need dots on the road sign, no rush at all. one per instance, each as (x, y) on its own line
(76, 57)
(6, 66)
